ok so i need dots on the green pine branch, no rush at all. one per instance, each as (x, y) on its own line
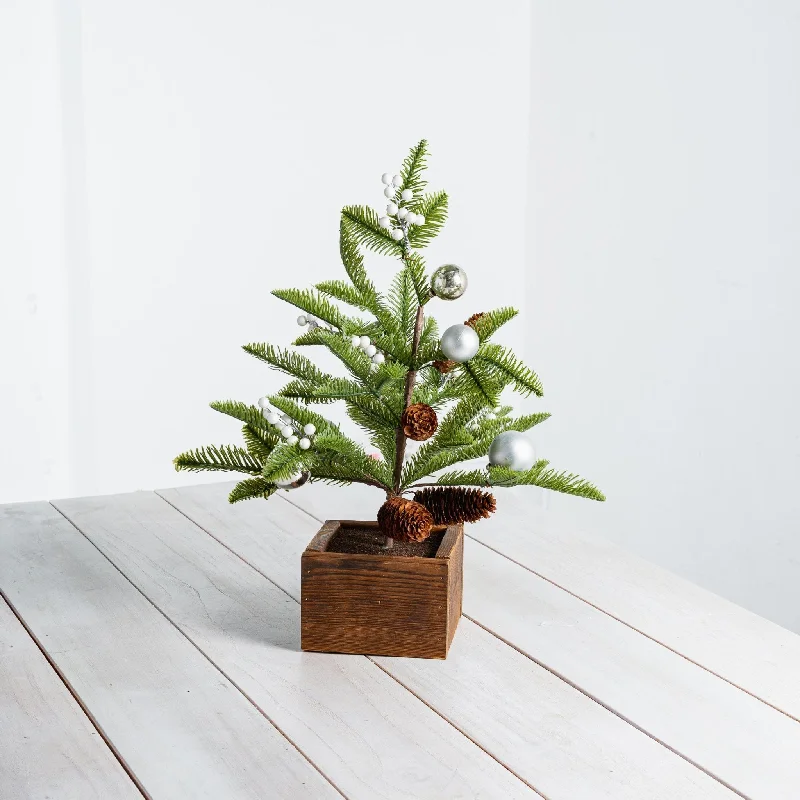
(259, 442)
(362, 226)
(312, 303)
(225, 458)
(539, 475)
(413, 169)
(474, 477)
(251, 488)
(251, 415)
(403, 302)
(294, 364)
(491, 321)
(507, 368)
(422, 283)
(434, 208)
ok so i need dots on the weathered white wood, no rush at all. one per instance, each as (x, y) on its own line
(48, 746)
(758, 656)
(368, 734)
(560, 741)
(749, 651)
(731, 734)
(183, 729)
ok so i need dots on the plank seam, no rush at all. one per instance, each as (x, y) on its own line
(628, 625)
(608, 708)
(206, 657)
(288, 594)
(83, 707)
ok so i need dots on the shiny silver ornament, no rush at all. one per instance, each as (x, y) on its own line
(449, 282)
(513, 450)
(294, 482)
(460, 343)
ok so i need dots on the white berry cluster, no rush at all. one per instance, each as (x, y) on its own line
(307, 319)
(403, 217)
(369, 349)
(284, 424)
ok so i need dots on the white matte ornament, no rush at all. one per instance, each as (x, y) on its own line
(286, 431)
(292, 440)
(385, 222)
(364, 341)
(388, 192)
(302, 320)
(355, 340)
(378, 358)
(397, 181)
(263, 402)
(304, 443)
(391, 209)
(310, 429)
(371, 350)
(386, 178)
(397, 234)
(273, 418)
(460, 343)
(513, 450)
(402, 213)
(406, 194)
(449, 282)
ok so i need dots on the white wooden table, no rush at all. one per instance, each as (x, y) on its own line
(149, 646)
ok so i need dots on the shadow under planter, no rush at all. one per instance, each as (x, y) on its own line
(380, 604)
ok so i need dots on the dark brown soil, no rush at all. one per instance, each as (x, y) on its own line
(369, 541)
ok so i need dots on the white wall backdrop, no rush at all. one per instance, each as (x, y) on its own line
(665, 276)
(165, 164)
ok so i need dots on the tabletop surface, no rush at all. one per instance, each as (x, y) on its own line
(149, 647)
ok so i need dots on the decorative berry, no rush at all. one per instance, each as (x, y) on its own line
(397, 234)
(292, 439)
(378, 358)
(364, 341)
(420, 219)
(397, 181)
(402, 213)
(310, 429)
(287, 431)
(304, 443)
(355, 340)
(263, 402)
(370, 351)
(386, 178)
(391, 209)
(388, 192)
(385, 222)
(273, 418)
(302, 320)
(407, 194)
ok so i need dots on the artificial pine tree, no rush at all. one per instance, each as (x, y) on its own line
(403, 381)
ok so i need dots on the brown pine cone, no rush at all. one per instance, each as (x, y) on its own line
(445, 366)
(473, 319)
(405, 520)
(419, 422)
(452, 504)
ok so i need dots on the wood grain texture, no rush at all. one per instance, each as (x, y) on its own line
(729, 733)
(183, 729)
(561, 742)
(379, 604)
(758, 656)
(48, 746)
(370, 736)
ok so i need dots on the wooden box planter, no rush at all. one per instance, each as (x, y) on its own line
(383, 605)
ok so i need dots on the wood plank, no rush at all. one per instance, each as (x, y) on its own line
(751, 652)
(560, 741)
(48, 746)
(368, 734)
(181, 726)
(726, 731)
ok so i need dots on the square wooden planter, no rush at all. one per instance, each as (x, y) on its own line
(379, 604)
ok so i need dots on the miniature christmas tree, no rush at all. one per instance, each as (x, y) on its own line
(404, 381)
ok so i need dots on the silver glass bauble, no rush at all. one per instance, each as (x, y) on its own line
(449, 282)
(460, 343)
(294, 482)
(513, 450)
